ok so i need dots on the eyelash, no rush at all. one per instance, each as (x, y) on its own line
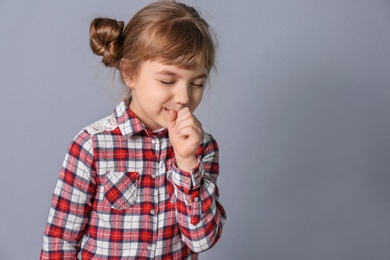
(172, 82)
(167, 82)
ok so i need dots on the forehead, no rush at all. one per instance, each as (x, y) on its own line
(161, 68)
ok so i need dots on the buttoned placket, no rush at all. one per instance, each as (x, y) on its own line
(156, 144)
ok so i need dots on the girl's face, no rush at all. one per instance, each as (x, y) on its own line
(158, 88)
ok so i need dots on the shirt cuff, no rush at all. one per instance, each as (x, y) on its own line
(187, 181)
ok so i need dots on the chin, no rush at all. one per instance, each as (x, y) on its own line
(163, 126)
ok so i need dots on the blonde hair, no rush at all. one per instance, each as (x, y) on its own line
(166, 31)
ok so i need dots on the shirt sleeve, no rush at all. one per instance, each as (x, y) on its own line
(198, 210)
(71, 201)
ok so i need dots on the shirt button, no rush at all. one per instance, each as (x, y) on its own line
(152, 212)
(196, 199)
(154, 176)
(149, 248)
(153, 141)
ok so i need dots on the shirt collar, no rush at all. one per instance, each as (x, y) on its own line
(129, 124)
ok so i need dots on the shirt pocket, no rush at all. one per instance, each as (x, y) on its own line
(120, 189)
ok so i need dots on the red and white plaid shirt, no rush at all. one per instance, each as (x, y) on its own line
(120, 196)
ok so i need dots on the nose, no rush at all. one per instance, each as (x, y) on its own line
(182, 96)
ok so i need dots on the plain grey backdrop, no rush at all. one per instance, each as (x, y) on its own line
(300, 107)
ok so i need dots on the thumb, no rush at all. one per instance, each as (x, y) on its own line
(172, 118)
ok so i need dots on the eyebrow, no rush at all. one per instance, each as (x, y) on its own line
(171, 73)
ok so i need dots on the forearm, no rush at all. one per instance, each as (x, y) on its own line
(200, 219)
(199, 213)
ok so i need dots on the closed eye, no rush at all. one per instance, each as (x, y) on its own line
(198, 85)
(167, 82)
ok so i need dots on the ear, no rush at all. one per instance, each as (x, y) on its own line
(126, 76)
(128, 79)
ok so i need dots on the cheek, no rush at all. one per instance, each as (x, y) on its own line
(196, 101)
(158, 96)
(198, 96)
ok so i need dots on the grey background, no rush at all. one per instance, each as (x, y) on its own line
(300, 107)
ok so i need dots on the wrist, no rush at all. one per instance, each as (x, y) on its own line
(186, 163)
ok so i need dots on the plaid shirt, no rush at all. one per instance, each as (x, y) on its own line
(120, 196)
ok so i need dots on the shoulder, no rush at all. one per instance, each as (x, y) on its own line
(84, 137)
(83, 142)
(108, 123)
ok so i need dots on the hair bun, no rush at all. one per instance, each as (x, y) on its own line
(105, 39)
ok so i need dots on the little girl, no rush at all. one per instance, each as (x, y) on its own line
(141, 183)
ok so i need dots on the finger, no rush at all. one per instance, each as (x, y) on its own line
(192, 122)
(190, 133)
(172, 116)
(185, 114)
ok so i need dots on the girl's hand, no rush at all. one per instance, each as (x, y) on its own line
(185, 133)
